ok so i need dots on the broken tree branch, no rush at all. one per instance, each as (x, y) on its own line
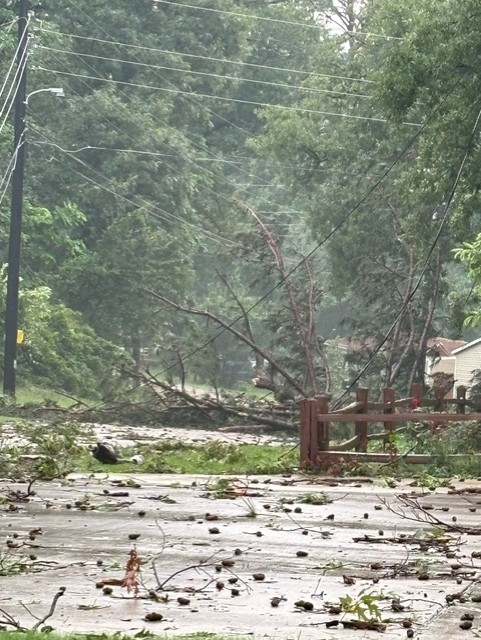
(421, 514)
(207, 405)
(245, 339)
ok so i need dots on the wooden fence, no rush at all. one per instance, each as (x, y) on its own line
(316, 421)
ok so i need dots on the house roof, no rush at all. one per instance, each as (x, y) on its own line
(445, 346)
(468, 345)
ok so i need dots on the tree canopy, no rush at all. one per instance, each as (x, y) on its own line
(296, 172)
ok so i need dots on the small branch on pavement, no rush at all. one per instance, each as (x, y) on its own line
(421, 514)
(51, 611)
(10, 621)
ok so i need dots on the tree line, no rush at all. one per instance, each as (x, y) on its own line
(235, 184)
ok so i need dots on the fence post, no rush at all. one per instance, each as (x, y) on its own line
(309, 433)
(305, 428)
(461, 398)
(389, 398)
(362, 395)
(417, 390)
(323, 427)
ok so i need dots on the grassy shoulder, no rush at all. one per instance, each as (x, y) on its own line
(172, 456)
(54, 450)
(63, 447)
(33, 398)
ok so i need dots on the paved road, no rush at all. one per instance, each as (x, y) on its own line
(304, 550)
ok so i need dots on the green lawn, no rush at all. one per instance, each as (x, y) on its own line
(33, 395)
(209, 458)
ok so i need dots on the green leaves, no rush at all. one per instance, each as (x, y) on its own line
(365, 606)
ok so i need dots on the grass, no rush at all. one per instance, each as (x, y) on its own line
(33, 395)
(213, 457)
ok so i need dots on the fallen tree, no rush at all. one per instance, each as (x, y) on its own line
(263, 414)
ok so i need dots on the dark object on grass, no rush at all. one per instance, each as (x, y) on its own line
(105, 453)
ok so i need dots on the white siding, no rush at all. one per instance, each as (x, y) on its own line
(445, 364)
(467, 361)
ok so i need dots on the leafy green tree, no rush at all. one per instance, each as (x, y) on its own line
(469, 253)
(353, 182)
(60, 350)
(161, 172)
(111, 284)
(431, 75)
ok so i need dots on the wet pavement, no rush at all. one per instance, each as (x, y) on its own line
(205, 542)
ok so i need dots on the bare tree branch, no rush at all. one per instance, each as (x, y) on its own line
(228, 327)
(293, 301)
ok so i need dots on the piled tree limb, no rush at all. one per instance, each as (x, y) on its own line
(267, 416)
(166, 404)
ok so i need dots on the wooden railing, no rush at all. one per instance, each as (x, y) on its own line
(316, 420)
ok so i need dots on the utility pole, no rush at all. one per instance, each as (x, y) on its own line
(14, 246)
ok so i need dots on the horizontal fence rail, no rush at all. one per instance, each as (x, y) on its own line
(316, 420)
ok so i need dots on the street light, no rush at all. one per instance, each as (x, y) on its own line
(14, 243)
(57, 91)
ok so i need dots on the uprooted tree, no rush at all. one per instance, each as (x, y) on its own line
(274, 321)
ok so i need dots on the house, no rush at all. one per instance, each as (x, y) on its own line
(456, 358)
(467, 361)
(441, 361)
(447, 360)
(440, 357)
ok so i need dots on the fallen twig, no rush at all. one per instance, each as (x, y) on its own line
(420, 514)
(369, 625)
(10, 621)
(405, 539)
(51, 611)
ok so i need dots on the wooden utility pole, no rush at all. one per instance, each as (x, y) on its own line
(14, 245)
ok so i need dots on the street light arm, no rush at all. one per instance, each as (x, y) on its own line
(57, 91)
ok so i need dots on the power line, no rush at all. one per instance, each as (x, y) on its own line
(216, 176)
(167, 216)
(185, 54)
(217, 115)
(15, 84)
(16, 78)
(100, 28)
(337, 227)
(275, 20)
(9, 70)
(425, 263)
(190, 160)
(210, 110)
(10, 24)
(208, 74)
(147, 206)
(308, 255)
(329, 235)
(235, 161)
(224, 98)
(8, 172)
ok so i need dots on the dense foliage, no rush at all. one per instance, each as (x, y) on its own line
(296, 171)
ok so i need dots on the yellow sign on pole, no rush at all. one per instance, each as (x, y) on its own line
(20, 336)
